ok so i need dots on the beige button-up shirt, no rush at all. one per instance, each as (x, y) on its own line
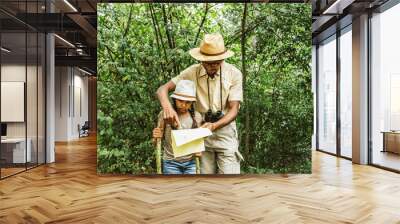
(231, 87)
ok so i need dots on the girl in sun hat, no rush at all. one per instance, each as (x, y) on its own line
(182, 99)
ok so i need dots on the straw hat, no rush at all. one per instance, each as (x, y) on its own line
(212, 48)
(185, 90)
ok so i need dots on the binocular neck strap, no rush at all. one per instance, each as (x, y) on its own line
(220, 89)
(208, 91)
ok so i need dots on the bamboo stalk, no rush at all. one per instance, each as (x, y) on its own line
(158, 156)
(160, 124)
(197, 165)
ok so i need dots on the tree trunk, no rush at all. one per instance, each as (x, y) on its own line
(171, 32)
(201, 25)
(128, 25)
(157, 36)
(167, 32)
(244, 72)
(166, 25)
(158, 31)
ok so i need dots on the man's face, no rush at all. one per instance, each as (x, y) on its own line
(212, 66)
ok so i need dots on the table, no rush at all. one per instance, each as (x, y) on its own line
(391, 141)
(13, 150)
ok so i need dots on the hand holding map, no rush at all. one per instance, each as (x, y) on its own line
(189, 141)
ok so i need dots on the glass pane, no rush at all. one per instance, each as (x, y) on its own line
(23, 88)
(346, 93)
(13, 86)
(386, 89)
(31, 97)
(41, 99)
(327, 96)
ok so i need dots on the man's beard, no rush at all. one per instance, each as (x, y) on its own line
(212, 74)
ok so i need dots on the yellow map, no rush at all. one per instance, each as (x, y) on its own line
(189, 141)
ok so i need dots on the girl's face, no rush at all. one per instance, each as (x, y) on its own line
(182, 105)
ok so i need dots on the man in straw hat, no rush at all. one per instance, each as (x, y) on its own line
(219, 93)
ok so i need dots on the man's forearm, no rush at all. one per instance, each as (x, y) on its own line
(162, 95)
(169, 114)
(227, 118)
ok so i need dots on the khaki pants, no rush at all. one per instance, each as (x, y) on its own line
(221, 161)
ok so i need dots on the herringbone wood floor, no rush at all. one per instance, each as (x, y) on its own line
(70, 191)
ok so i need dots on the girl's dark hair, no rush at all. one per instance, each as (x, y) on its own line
(191, 111)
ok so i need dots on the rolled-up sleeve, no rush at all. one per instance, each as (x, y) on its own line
(236, 89)
(187, 74)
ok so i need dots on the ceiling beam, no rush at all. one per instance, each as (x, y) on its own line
(81, 61)
(86, 27)
(337, 7)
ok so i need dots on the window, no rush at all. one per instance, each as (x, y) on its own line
(385, 88)
(327, 95)
(346, 92)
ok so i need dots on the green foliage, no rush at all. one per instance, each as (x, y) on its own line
(142, 46)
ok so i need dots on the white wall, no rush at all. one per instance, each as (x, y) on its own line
(70, 83)
(13, 72)
(62, 81)
(80, 102)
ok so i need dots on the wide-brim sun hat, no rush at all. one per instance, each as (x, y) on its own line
(185, 90)
(212, 48)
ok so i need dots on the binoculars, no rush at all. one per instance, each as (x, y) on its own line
(213, 117)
